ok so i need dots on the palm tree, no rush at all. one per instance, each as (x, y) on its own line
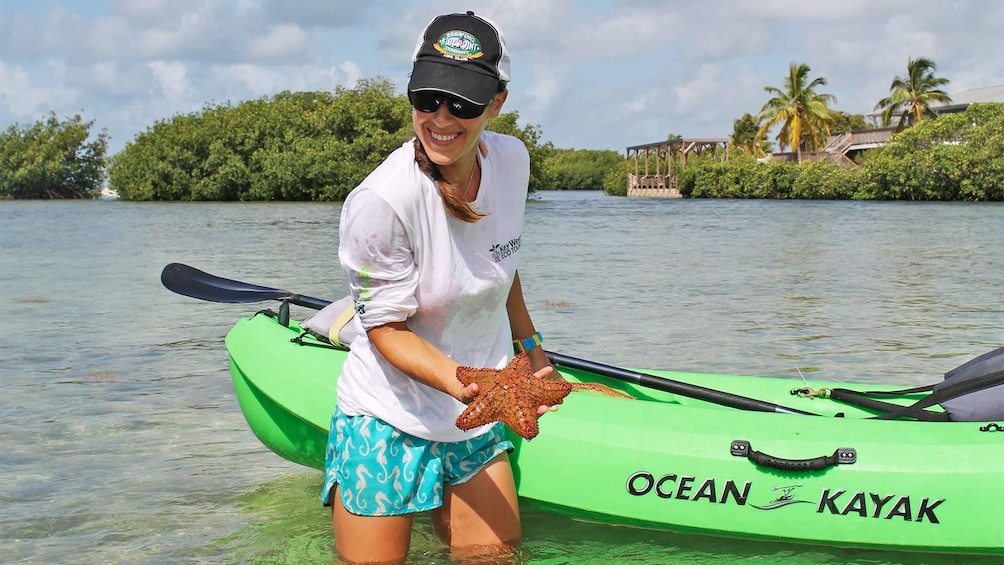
(745, 136)
(911, 96)
(803, 113)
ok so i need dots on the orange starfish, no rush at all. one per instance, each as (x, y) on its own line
(513, 395)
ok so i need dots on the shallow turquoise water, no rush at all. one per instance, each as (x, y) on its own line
(122, 441)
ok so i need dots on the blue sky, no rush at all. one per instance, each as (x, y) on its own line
(593, 74)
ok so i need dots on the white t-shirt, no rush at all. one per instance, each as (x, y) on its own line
(407, 259)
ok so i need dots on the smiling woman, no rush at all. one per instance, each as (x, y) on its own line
(430, 245)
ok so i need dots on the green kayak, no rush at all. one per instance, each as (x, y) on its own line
(672, 462)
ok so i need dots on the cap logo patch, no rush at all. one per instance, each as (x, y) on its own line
(459, 45)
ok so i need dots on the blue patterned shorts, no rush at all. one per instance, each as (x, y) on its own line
(382, 471)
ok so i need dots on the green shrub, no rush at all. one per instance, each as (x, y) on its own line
(954, 157)
(52, 159)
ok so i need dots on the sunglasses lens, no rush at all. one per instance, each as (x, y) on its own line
(429, 101)
(463, 109)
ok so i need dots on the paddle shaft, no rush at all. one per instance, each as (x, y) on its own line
(669, 385)
(191, 282)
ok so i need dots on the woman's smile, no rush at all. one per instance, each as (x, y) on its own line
(443, 137)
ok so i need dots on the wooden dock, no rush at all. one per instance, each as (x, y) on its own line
(652, 167)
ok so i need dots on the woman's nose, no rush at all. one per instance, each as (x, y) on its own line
(442, 113)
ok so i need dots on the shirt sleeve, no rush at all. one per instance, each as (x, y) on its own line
(375, 251)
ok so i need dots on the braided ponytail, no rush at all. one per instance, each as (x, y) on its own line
(455, 204)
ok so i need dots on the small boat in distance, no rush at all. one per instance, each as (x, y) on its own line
(108, 194)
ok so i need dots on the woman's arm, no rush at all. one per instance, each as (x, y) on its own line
(418, 358)
(522, 325)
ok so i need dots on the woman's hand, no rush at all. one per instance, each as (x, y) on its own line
(547, 372)
(467, 393)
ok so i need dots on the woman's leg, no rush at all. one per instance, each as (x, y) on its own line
(370, 539)
(482, 514)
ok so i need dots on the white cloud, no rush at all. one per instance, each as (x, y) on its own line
(107, 38)
(171, 76)
(692, 95)
(247, 7)
(279, 41)
(802, 11)
(106, 73)
(29, 99)
(171, 41)
(351, 72)
(251, 80)
(545, 85)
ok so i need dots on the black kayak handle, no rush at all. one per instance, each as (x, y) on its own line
(841, 456)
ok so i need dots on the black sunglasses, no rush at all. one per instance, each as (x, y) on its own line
(429, 101)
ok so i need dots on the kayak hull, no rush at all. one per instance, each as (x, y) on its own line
(669, 462)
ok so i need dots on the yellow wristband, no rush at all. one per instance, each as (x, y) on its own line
(527, 343)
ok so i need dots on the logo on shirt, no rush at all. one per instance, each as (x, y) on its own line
(500, 251)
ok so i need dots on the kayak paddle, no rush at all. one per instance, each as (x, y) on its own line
(189, 281)
(669, 385)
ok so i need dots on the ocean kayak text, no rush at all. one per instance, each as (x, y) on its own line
(833, 501)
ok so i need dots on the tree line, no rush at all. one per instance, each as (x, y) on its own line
(957, 157)
(317, 146)
(307, 146)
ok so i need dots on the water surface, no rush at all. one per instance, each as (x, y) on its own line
(122, 441)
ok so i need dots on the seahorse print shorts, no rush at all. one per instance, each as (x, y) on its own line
(382, 471)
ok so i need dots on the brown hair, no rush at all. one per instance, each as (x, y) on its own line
(455, 203)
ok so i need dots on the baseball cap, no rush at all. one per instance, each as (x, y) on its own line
(461, 54)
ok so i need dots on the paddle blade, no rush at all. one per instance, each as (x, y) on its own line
(189, 281)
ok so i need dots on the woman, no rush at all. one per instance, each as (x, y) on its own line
(430, 242)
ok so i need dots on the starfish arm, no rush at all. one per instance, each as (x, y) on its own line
(600, 389)
(483, 377)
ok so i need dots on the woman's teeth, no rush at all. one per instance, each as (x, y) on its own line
(443, 137)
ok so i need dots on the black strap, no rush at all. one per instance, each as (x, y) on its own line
(916, 410)
(860, 399)
(928, 388)
(900, 392)
(949, 392)
(318, 341)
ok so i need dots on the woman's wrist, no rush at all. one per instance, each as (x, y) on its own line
(539, 359)
(527, 343)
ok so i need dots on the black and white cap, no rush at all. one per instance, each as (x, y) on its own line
(462, 54)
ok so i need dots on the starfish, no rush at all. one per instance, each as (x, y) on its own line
(512, 395)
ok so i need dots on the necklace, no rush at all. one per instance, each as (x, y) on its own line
(467, 191)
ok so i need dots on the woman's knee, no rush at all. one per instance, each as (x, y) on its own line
(482, 512)
(370, 539)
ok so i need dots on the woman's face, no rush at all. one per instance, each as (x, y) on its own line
(450, 140)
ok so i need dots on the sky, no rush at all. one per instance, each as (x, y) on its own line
(591, 74)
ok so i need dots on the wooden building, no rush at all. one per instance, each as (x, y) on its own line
(652, 167)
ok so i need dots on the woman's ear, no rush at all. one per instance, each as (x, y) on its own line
(496, 105)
